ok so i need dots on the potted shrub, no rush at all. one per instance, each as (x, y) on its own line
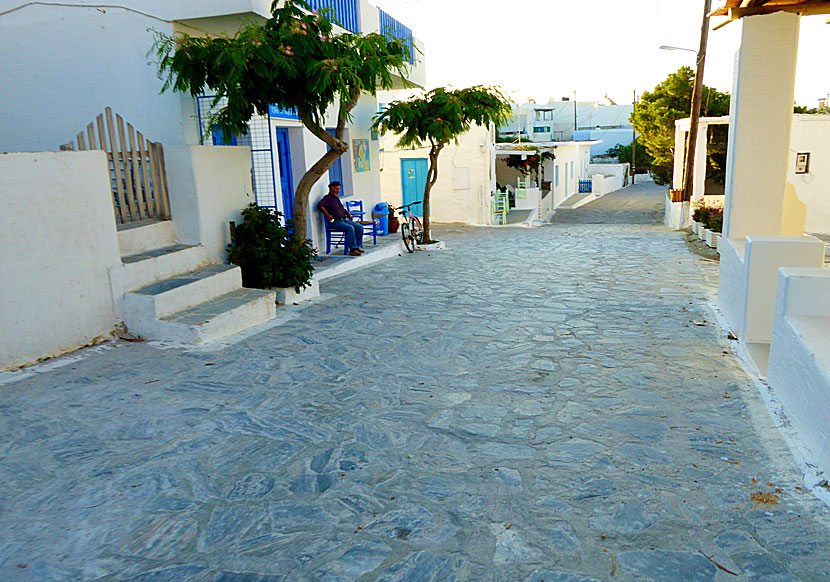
(394, 223)
(270, 259)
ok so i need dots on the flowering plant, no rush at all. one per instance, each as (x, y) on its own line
(527, 164)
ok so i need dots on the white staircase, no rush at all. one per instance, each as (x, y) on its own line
(172, 292)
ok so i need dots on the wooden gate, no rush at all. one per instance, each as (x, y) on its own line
(136, 165)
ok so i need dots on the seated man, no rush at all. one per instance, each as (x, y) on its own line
(339, 219)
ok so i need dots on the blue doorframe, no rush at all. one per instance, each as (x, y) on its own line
(286, 179)
(413, 182)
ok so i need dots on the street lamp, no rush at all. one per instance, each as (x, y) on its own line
(676, 48)
(697, 90)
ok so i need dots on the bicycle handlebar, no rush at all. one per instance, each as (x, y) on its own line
(408, 205)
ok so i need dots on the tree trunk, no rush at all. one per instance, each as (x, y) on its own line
(432, 177)
(321, 166)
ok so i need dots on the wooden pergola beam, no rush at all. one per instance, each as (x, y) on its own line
(737, 9)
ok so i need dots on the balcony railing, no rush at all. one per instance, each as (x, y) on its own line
(391, 28)
(345, 12)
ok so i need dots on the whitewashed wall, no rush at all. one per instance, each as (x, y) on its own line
(462, 192)
(57, 246)
(608, 138)
(811, 133)
(63, 65)
(209, 187)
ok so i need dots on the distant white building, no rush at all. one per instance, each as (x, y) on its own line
(572, 121)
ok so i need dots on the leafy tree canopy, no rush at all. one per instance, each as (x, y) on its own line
(439, 117)
(655, 114)
(623, 154)
(293, 61)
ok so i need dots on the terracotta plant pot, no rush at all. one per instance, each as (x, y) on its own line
(394, 224)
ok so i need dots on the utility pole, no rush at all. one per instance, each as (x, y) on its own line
(633, 141)
(697, 95)
(575, 127)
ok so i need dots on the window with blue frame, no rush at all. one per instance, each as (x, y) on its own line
(218, 137)
(345, 12)
(336, 169)
(393, 29)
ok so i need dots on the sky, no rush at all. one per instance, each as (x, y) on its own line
(544, 49)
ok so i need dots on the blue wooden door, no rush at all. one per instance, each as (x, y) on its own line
(286, 181)
(413, 182)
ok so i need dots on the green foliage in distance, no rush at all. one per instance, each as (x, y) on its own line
(803, 109)
(655, 114)
(437, 118)
(293, 61)
(623, 155)
(266, 253)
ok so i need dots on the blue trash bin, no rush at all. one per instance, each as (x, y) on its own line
(381, 213)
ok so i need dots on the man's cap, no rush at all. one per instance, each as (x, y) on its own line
(333, 184)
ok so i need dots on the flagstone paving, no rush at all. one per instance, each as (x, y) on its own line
(528, 405)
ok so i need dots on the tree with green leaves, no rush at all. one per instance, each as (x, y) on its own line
(437, 118)
(293, 61)
(623, 154)
(655, 114)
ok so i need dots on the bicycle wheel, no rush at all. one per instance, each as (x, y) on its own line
(417, 229)
(408, 239)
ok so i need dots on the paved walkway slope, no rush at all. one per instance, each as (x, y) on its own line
(530, 404)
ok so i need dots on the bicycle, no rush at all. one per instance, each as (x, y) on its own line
(412, 232)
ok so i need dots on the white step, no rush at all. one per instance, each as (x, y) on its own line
(226, 315)
(139, 237)
(152, 266)
(181, 292)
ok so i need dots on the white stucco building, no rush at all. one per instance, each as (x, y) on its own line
(773, 285)
(65, 62)
(135, 233)
(471, 170)
(606, 123)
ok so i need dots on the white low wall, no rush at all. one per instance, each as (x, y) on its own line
(677, 215)
(601, 184)
(799, 366)
(209, 187)
(748, 274)
(57, 245)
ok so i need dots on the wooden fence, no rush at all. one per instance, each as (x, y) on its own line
(137, 173)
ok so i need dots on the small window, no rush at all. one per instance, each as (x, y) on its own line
(541, 129)
(572, 169)
(556, 175)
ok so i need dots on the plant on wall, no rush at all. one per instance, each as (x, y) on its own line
(264, 251)
(437, 118)
(530, 163)
(710, 217)
(293, 61)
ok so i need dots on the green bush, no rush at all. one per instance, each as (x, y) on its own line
(699, 213)
(714, 220)
(267, 253)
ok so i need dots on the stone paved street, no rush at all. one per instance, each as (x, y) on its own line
(529, 405)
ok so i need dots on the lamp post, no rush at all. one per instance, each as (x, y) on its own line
(697, 95)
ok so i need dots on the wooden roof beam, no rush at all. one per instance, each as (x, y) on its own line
(803, 8)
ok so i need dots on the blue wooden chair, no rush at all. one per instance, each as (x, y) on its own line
(355, 208)
(337, 238)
